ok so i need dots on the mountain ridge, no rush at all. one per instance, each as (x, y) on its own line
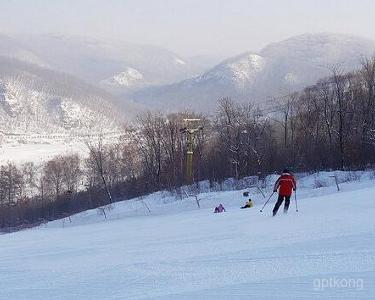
(283, 67)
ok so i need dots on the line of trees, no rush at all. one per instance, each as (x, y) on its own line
(330, 125)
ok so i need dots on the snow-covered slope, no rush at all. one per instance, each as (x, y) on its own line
(129, 78)
(243, 68)
(324, 251)
(278, 69)
(38, 100)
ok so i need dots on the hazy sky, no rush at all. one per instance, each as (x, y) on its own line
(190, 27)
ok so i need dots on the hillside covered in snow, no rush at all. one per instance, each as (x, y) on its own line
(172, 250)
(277, 70)
(37, 100)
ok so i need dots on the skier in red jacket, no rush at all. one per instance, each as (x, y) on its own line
(285, 184)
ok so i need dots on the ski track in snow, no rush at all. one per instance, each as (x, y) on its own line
(180, 252)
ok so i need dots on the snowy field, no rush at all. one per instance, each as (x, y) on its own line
(325, 251)
(38, 153)
(39, 149)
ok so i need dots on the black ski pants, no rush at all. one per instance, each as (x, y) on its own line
(279, 202)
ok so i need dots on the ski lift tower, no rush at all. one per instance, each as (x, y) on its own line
(192, 127)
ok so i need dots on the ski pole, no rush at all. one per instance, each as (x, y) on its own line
(295, 198)
(267, 201)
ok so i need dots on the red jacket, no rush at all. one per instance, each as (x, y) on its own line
(285, 184)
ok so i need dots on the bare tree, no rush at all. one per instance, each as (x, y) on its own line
(97, 162)
(339, 79)
(11, 184)
(53, 174)
(72, 172)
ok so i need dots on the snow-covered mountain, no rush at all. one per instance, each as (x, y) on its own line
(40, 94)
(128, 78)
(156, 77)
(38, 100)
(277, 69)
(238, 71)
(111, 64)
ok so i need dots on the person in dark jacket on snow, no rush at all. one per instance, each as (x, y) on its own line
(219, 209)
(286, 184)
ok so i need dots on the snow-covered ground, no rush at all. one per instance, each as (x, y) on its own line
(38, 153)
(325, 251)
(39, 148)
